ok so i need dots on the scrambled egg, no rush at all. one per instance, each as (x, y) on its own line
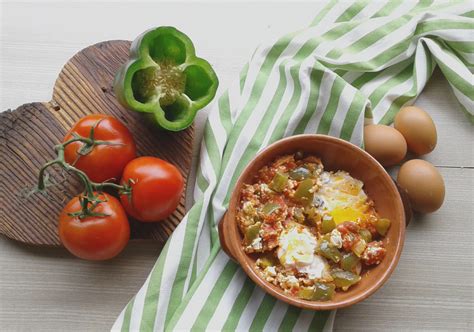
(297, 251)
(342, 197)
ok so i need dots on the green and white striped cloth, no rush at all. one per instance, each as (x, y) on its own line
(357, 62)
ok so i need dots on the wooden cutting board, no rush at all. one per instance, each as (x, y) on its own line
(29, 133)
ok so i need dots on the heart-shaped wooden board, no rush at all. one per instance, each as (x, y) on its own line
(29, 133)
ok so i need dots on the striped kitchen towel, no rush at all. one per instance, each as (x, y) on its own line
(357, 62)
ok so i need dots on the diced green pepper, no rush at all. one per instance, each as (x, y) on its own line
(326, 237)
(251, 233)
(312, 215)
(382, 225)
(359, 247)
(269, 208)
(320, 292)
(327, 224)
(298, 215)
(344, 279)
(303, 192)
(164, 79)
(267, 261)
(306, 293)
(323, 292)
(300, 173)
(279, 182)
(327, 250)
(366, 235)
(349, 262)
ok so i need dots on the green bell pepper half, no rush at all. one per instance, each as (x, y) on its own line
(164, 79)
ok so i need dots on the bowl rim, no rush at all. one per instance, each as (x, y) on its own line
(235, 247)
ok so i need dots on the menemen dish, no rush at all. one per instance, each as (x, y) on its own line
(312, 232)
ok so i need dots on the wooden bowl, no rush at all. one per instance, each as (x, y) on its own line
(336, 154)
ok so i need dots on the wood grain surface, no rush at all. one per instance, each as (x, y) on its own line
(29, 133)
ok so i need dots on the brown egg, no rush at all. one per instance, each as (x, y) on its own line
(423, 184)
(418, 129)
(385, 144)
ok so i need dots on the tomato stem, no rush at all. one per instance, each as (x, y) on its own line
(89, 200)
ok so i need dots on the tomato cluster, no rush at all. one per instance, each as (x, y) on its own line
(103, 149)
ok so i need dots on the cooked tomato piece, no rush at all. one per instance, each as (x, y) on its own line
(374, 253)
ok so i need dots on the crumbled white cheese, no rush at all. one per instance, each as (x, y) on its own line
(292, 184)
(336, 238)
(292, 281)
(257, 243)
(270, 271)
(264, 188)
(247, 207)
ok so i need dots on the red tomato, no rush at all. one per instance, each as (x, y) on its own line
(95, 238)
(156, 188)
(104, 162)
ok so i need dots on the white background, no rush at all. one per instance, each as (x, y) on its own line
(46, 288)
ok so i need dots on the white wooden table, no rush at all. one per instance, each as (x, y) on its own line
(47, 289)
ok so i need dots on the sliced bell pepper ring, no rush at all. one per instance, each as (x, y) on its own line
(165, 79)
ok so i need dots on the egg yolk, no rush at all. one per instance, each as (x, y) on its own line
(345, 214)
